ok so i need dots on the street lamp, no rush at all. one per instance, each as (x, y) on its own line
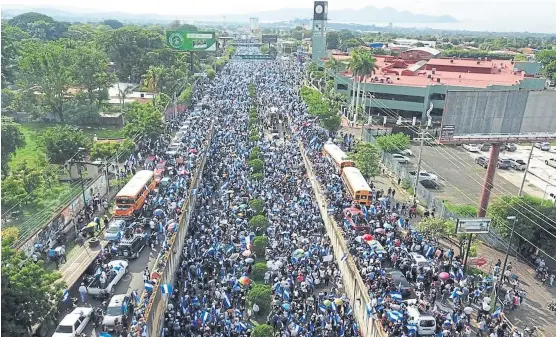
(501, 276)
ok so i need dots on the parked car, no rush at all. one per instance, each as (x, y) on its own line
(115, 270)
(120, 309)
(114, 231)
(407, 152)
(471, 147)
(503, 164)
(430, 184)
(401, 282)
(131, 247)
(544, 146)
(73, 324)
(511, 147)
(484, 147)
(551, 162)
(482, 161)
(518, 164)
(400, 158)
(424, 175)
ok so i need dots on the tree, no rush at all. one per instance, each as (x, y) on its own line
(211, 73)
(91, 72)
(263, 330)
(393, 143)
(419, 44)
(63, 142)
(39, 26)
(105, 150)
(436, 227)
(28, 292)
(122, 94)
(12, 139)
(144, 120)
(536, 222)
(256, 165)
(331, 121)
(257, 205)
(264, 49)
(332, 40)
(152, 79)
(258, 221)
(81, 111)
(259, 245)
(260, 294)
(114, 24)
(367, 159)
(258, 271)
(11, 38)
(47, 68)
(13, 191)
(550, 70)
(9, 235)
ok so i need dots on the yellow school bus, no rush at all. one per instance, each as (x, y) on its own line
(337, 157)
(357, 186)
(132, 196)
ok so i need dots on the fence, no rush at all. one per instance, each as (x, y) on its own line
(355, 288)
(156, 307)
(61, 222)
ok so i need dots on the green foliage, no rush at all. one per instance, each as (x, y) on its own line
(39, 26)
(257, 205)
(256, 176)
(260, 294)
(259, 221)
(91, 72)
(12, 139)
(258, 271)
(464, 53)
(9, 235)
(262, 330)
(367, 158)
(13, 191)
(461, 209)
(264, 49)
(252, 91)
(259, 245)
(186, 94)
(62, 142)
(436, 227)
(114, 24)
(536, 221)
(105, 150)
(393, 143)
(254, 138)
(256, 165)
(211, 73)
(28, 292)
(255, 153)
(81, 112)
(325, 109)
(144, 120)
(11, 47)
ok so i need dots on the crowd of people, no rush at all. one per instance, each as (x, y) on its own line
(211, 294)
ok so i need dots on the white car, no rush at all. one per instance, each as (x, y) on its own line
(545, 146)
(551, 162)
(74, 323)
(400, 158)
(420, 260)
(407, 152)
(424, 175)
(116, 270)
(117, 310)
(472, 147)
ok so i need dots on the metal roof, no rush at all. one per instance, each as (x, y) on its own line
(356, 179)
(429, 50)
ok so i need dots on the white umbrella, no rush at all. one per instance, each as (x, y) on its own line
(468, 310)
(358, 239)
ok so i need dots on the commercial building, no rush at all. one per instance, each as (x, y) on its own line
(410, 84)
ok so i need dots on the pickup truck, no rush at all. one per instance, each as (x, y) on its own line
(73, 324)
(551, 162)
(114, 270)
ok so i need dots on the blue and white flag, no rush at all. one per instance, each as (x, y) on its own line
(412, 328)
(400, 222)
(205, 317)
(135, 296)
(373, 209)
(430, 251)
(396, 295)
(394, 316)
(286, 295)
(344, 257)
(342, 331)
(497, 312)
(65, 296)
(349, 311)
(242, 326)
(369, 309)
(333, 305)
(365, 212)
(166, 288)
(248, 241)
(322, 307)
(226, 301)
(460, 273)
(104, 334)
(149, 286)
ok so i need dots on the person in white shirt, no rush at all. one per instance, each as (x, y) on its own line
(83, 292)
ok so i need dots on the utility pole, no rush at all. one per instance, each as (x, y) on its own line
(526, 170)
(422, 139)
(501, 276)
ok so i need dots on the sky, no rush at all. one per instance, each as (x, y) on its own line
(511, 12)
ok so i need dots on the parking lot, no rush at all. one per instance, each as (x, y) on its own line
(459, 175)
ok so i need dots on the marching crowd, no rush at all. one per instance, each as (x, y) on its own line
(215, 282)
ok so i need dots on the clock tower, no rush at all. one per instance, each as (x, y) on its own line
(320, 16)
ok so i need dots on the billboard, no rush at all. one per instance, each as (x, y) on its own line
(191, 41)
(472, 226)
(269, 39)
(498, 116)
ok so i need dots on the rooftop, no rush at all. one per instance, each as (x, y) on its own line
(429, 50)
(505, 77)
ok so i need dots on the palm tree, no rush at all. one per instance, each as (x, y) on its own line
(122, 94)
(151, 80)
(354, 66)
(367, 68)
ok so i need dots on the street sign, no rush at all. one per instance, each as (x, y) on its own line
(256, 57)
(472, 225)
(269, 39)
(191, 41)
(477, 261)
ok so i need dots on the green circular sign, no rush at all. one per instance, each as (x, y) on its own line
(176, 40)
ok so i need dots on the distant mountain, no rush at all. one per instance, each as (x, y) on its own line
(367, 14)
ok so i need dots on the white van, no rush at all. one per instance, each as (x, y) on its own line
(425, 323)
